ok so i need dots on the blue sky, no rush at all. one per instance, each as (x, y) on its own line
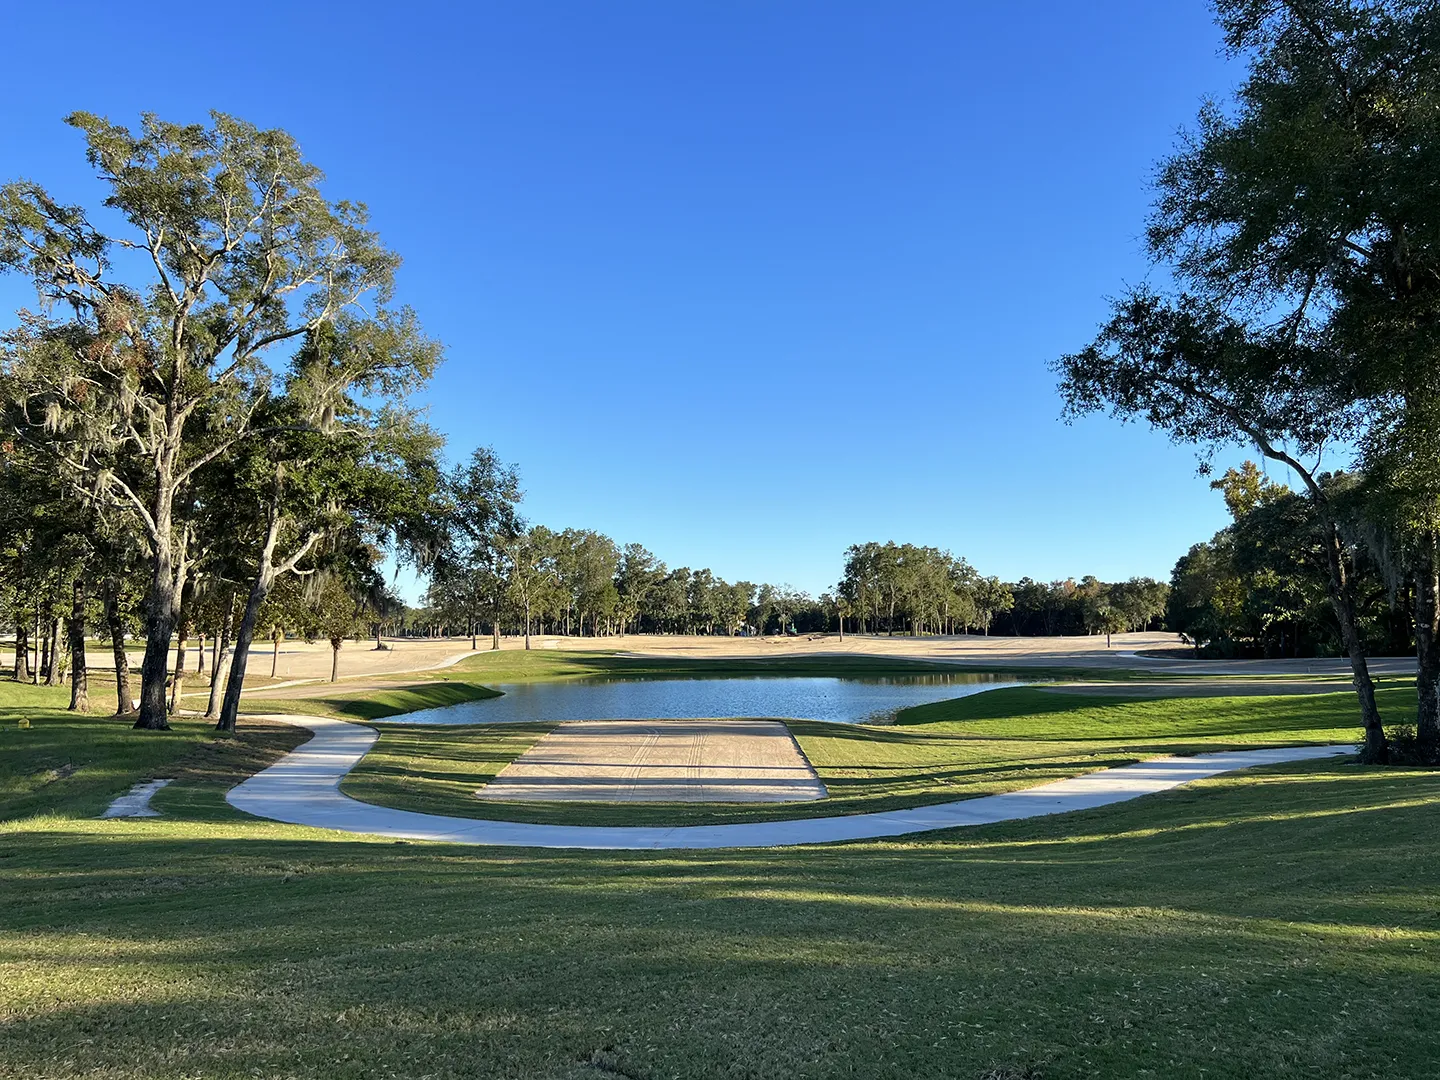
(746, 282)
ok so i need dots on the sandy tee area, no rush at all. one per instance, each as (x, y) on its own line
(660, 761)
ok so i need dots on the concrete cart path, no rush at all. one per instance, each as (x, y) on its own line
(303, 789)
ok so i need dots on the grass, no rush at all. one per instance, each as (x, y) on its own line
(1281, 923)
(77, 763)
(1278, 923)
(978, 745)
(374, 703)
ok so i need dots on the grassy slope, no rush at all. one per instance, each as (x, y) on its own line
(375, 703)
(1281, 923)
(76, 764)
(996, 741)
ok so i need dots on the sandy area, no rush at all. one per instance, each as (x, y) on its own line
(311, 660)
(301, 661)
(660, 761)
(1081, 651)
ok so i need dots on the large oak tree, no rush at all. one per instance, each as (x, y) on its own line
(214, 248)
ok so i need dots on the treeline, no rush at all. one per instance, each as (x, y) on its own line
(492, 572)
(496, 574)
(579, 582)
(1259, 587)
(901, 587)
(206, 436)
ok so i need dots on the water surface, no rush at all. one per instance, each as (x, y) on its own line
(844, 701)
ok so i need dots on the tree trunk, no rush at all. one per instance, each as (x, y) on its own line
(200, 653)
(159, 625)
(527, 624)
(1427, 649)
(259, 589)
(182, 635)
(22, 651)
(125, 697)
(54, 674)
(1343, 601)
(275, 640)
(79, 674)
(335, 659)
(51, 664)
(220, 659)
(495, 631)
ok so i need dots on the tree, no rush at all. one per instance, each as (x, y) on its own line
(735, 602)
(1206, 595)
(342, 460)
(1314, 197)
(835, 607)
(244, 253)
(1246, 356)
(638, 576)
(1110, 620)
(701, 600)
(670, 600)
(478, 520)
(992, 597)
(532, 580)
(588, 563)
(332, 613)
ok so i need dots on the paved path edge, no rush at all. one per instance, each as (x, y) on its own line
(303, 788)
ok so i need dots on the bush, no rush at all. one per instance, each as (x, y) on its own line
(1404, 745)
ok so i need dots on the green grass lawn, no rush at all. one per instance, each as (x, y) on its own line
(1279, 923)
(991, 742)
(375, 704)
(1282, 923)
(75, 764)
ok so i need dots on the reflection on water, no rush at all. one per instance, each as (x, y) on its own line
(845, 701)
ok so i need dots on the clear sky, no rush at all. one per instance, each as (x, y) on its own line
(746, 281)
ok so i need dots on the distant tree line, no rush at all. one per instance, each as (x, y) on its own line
(1258, 588)
(493, 573)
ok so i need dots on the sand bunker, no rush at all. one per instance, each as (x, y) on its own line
(660, 761)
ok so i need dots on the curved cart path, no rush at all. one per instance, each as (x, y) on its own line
(303, 789)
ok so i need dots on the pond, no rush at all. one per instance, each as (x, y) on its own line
(844, 701)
